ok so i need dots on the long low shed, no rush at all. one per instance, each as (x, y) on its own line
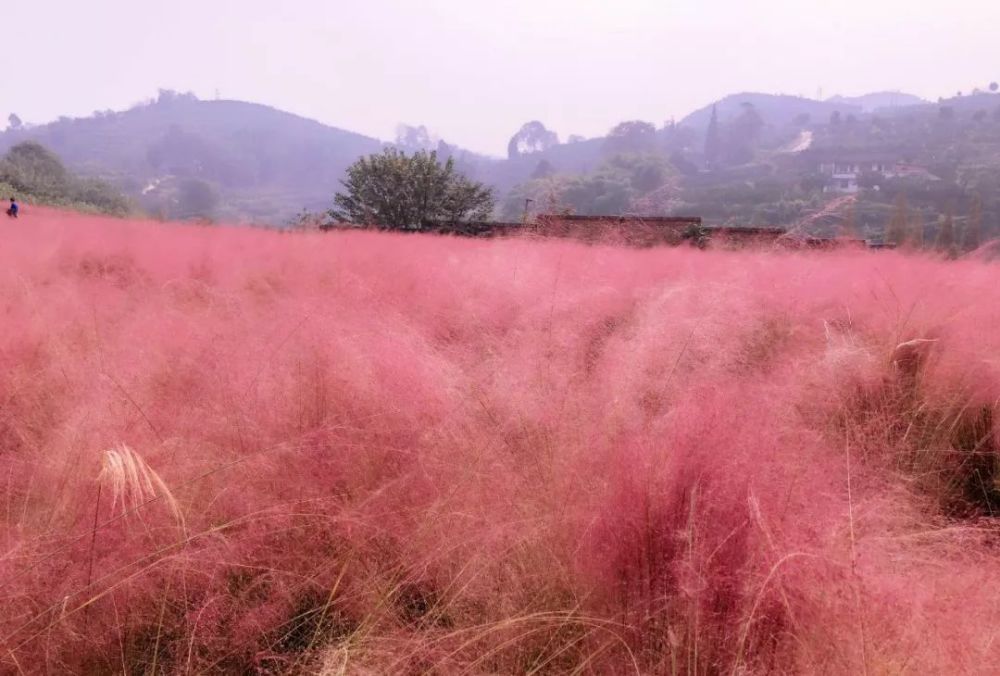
(635, 231)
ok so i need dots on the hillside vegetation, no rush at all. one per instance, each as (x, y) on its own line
(763, 172)
(30, 172)
(759, 162)
(238, 451)
(260, 163)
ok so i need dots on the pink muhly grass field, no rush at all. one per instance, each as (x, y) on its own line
(238, 451)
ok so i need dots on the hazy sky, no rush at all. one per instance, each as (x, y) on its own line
(474, 71)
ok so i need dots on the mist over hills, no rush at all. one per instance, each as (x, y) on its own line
(263, 162)
(874, 102)
(776, 110)
(760, 163)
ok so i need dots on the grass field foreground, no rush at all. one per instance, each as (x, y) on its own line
(229, 450)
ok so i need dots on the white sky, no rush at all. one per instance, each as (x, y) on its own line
(473, 71)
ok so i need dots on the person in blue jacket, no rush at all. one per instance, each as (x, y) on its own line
(12, 211)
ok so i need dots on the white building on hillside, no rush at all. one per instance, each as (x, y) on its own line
(844, 175)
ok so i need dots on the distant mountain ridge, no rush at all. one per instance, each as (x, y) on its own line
(875, 101)
(775, 109)
(265, 165)
(264, 161)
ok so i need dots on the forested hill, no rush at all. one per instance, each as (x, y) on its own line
(747, 159)
(776, 110)
(246, 161)
(260, 163)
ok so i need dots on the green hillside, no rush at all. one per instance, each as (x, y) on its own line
(260, 162)
(764, 160)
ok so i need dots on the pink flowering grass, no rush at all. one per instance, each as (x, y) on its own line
(237, 451)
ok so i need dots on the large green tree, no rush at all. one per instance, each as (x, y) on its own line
(946, 234)
(712, 141)
(195, 199)
(634, 136)
(533, 137)
(743, 134)
(31, 167)
(395, 190)
(899, 224)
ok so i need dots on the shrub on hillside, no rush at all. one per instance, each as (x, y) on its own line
(32, 168)
(100, 195)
